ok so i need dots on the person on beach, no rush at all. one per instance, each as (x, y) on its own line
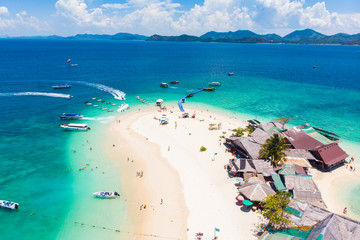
(161, 202)
(168, 148)
(345, 210)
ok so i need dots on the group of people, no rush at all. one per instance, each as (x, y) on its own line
(139, 174)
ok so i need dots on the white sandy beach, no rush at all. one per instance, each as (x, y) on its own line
(197, 194)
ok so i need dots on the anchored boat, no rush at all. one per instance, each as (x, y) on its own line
(106, 194)
(75, 127)
(214, 84)
(164, 85)
(61, 86)
(71, 116)
(9, 204)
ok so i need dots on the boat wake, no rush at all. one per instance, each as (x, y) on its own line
(58, 95)
(100, 119)
(115, 92)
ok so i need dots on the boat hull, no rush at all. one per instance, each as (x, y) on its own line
(8, 204)
(106, 194)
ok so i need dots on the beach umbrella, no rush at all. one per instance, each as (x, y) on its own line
(240, 198)
(164, 115)
(256, 191)
(247, 202)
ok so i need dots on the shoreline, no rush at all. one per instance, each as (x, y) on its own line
(175, 152)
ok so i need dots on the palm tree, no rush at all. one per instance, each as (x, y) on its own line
(273, 149)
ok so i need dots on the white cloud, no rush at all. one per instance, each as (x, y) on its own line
(77, 11)
(218, 15)
(288, 14)
(4, 11)
(21, 22)
(115, 6)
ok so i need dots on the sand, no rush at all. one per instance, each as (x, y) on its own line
(187, 191)
(198, 196)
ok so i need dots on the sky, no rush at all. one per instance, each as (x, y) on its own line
(175, 17)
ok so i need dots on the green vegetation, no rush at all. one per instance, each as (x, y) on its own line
(250, 129)
(274, 209)
(202, 149)
(239, 131)
(273, 149)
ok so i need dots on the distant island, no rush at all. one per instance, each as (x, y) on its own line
(307, 36)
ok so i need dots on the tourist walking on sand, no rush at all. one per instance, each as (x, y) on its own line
(345, 210)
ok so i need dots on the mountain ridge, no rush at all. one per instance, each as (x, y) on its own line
(306, 36)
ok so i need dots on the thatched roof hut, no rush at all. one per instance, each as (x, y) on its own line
(246, 165)
(256, 191)
(304, 189)
(327, 225)
(292, 169)
(336, 227)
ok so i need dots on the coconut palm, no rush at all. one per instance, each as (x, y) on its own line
(273, 149)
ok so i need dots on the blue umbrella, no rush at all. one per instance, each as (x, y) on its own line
(247, 202)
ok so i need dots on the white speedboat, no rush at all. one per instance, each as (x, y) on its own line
(214, 84)
(106, 194)
(8, 204)
(75, 127)
(123, 107)
(70, 116)
(61, 86)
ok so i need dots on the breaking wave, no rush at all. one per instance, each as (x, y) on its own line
(58, 95)
(115, 92)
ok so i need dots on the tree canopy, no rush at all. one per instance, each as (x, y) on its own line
(273, 149)
(274, 209)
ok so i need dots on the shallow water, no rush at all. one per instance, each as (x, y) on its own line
(269, 81)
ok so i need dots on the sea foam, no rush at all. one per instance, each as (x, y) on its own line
(120, 95)
(58, 95)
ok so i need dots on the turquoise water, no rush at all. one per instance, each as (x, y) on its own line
(270, 81)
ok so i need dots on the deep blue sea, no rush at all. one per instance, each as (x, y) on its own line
(39, 167)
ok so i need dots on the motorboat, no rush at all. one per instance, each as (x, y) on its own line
(209, 89)
(230, 73)
(164, 85)
(9, 204)
(123, 107)
(106, 194)
(75, 127)
(61, 86)
(71, 116)
(89, 104)
(159, 102)
(214, 84)
(174, 82)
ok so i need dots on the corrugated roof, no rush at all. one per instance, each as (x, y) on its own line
(300, 140)
(298, 153)
(331, 153)
(279, 185)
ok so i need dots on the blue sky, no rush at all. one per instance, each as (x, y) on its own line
(173, 17)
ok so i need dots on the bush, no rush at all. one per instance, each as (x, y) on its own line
(202, 149)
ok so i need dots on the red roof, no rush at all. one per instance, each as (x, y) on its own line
(300, 140)
(331, 153)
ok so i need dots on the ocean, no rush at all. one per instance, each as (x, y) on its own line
(316, 84)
